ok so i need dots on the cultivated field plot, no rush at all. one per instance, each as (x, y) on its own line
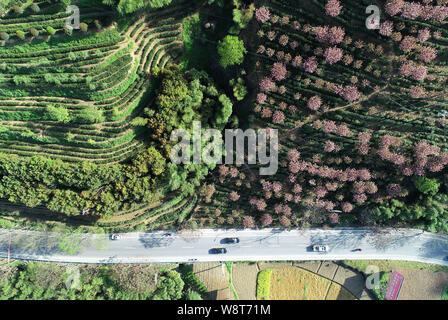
(291, 283)
(422, 281)
(73, 97)
(244, 277)
(422, 284)
(215, 278)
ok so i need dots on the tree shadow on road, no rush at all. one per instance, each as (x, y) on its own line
(340, 240)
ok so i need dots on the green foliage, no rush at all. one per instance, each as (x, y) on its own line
(380, 293)
(34, 32)
(20, 34)
(192, 295)
(229, 265)
(426, 185)
(130, 6)
(35, 8)
(68, 30)
(241, 16)
(4, 36)
(264, 284)
(219, 3)
(191, 32)
(48, 281)
(225, 111)
(139, 122)
(179, 102)
(428, 211)
(192, 282)
(159, 3)
(21, 80)
(18, 9)
(83, 27)
(149, 162)
(51, 30)
(445, 293)
(232, 51)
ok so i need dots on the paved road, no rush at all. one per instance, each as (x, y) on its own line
(266, 244)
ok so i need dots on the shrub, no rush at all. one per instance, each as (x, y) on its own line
(239, 88)
(17, 9)
(35, 7)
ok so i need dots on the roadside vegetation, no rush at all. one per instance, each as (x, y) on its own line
(86, 115)
(292, 283)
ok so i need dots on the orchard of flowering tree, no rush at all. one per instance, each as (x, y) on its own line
(361, 116)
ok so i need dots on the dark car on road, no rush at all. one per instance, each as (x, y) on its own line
(230, 240)
(217, 251)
